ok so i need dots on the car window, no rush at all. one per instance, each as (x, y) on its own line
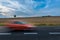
(18, 22)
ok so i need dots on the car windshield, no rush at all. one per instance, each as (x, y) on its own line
(16, 22)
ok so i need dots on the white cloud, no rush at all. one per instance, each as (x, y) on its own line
(6, 10)
(14, 6)
(18, 6)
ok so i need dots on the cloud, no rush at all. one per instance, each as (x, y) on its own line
(6, 11)
(24, 8)
(9, 5)
(49, 11)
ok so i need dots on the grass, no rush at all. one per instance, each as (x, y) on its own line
(38, 24)
(45, 24)
(1, 24)
(38, 21)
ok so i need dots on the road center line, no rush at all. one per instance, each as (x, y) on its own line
(5, 33)
(30, 33)
(54, 32)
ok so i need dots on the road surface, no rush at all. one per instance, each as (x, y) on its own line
(41, 33)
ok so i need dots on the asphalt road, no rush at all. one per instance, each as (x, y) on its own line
(41, 33)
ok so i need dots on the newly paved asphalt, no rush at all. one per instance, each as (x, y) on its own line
(41, 33)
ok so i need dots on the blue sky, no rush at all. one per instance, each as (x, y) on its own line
(29, 8)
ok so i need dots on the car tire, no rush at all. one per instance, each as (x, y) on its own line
(4, 29)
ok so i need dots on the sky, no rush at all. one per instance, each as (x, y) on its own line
(29, 8)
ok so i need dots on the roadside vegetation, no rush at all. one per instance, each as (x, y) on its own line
(38, 24)
(1, 24)
(45, 24)
(38, 21)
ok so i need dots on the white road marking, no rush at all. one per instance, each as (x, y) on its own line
(54, 32)
(5, 33)
(30, 33)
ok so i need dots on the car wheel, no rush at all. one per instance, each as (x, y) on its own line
(4, 29)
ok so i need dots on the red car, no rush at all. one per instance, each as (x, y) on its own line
(16, 25)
